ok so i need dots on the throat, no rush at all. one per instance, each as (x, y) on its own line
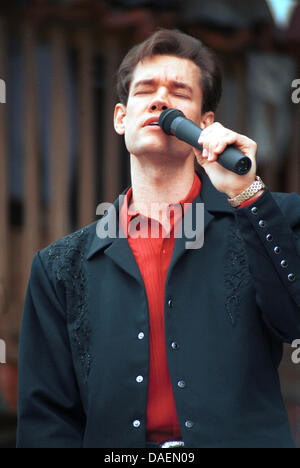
(163, 191)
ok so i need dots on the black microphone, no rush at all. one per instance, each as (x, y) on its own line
(173, 122)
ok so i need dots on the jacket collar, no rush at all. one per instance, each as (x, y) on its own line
(111, 217)
(213, 200)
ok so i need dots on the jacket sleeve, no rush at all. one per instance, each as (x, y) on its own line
(50, 413)
(271, 230)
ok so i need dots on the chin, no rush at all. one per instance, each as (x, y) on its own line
(171, 149)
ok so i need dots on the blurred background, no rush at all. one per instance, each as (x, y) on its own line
(59, 155)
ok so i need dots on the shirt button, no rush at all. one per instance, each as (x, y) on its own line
(141, 335)
(181, 384)
(139, 379)
(269, 237)
(284, 264)
(277, 250)
(164, 251)
(136, 423)
(291, 277)
(189, 424)
(170, 303)
(254, 210)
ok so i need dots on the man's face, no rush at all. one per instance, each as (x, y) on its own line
(158, 83)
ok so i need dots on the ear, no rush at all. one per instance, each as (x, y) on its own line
(207, 119)
(119, 118)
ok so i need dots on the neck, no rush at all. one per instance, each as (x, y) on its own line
(166, 184)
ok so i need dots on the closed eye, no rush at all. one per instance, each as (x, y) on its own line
(143, 91)
(181, 96)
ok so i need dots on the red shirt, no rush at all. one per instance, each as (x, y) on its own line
(153, 256)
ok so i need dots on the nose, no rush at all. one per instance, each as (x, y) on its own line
(160, 106)
(159, 102)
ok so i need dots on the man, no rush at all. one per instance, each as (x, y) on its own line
(138, 341)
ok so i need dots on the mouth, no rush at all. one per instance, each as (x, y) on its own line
(153, 123)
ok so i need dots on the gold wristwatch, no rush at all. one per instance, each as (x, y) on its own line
(248, 193)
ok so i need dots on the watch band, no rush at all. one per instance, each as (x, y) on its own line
(248, 193)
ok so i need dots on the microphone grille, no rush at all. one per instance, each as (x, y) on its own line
(167, 117)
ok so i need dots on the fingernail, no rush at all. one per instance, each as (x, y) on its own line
(210, 156)
(204, 153)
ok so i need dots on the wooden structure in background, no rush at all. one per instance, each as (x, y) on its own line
(87, 128)
(30, 241)
(60, 137)
(111, 146)
(4, 261)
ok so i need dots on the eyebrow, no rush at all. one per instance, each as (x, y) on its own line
(174, 84)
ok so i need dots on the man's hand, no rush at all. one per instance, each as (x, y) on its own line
(214, 139)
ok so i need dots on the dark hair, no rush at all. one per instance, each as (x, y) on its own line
(176, 43)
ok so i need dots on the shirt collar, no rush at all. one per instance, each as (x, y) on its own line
(214, 201)
(127, 214)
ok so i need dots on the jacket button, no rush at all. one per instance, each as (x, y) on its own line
(139, 379)
(174, 345)
(189, 424)
(262, 224)
(136, 423)
(269, 237)
(291, 277)
(141, 335)
(284, 264)
(170, 303)
(277, 250)
(254, 210)
(181, 384)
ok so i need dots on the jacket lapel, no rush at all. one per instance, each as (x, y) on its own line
(213, 202)
(120, 253)
(114, 244)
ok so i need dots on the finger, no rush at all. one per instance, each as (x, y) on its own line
(218, 147)
(212, 155)
(204, 143)
(199, 157)
(229, 138)
(205, 153)
(215, 128)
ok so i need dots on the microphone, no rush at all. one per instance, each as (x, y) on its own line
(174, 122)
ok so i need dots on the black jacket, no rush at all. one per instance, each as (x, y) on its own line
(229, 306)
